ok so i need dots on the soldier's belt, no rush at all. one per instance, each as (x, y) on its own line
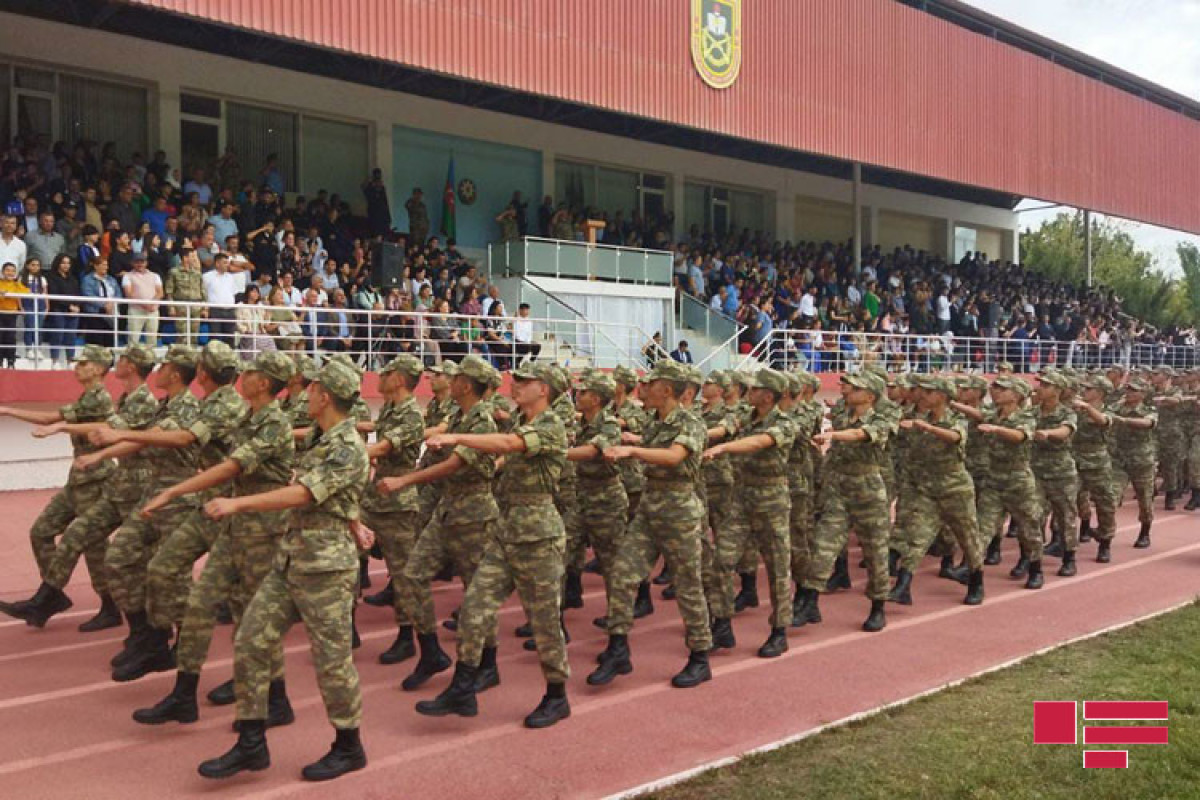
(855, 470)
(593, 484)
(667, 483)
(764, 480)
(529, 498)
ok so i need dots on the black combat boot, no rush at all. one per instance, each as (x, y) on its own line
(458, 697)
(948, 570)
(1104, 554)
(669, 592)
(664, 577)
(1056, 547)
(1022, 567)
(178, 706)
(554, 707)
(346, 755)
(747, 596)
(893, 562)
(137, 629)
(109, 616)
(992, 557)
(1036, 580)
(876, 620)
(524, 630)
(614, 661)
(840, 579)
(775, 645)
(1085, 530)
(355, 639)
(250, 752)
(573, 590)
(364, 573)
(222, 695)
(694, 673)
(385, 598)
(402, 649)
(902, 592)
(1169, 500)
(1067, 569)
(433, 660)
(37, 610)
(643, 606)
(154, 655)
(279, 708)
(224, 614)
(1143, 539)
(722, 634)
(451, 624)
(974, 589)
(600, 622)
(488, 674)
(1193, 502)
(809, 611)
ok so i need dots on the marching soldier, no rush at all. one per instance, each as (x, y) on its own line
(1134, 420)
(1054, 467)
(1092, 460)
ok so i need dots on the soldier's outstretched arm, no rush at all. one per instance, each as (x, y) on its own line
(970, 412)
(32, 417)
(747, 444)
(431, 474)
(217, 475)
(123, 450)
(671, 456)
(496, 444)
(69, 428)
(294, 496)
(152, 438)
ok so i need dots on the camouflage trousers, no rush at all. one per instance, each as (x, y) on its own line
(1060, 495)
(88, 531)
(438, 545)
(535, 570)
(603, 509)
(1173, 454)
(1142, 478)
(169, 573)
(1017, 495)
(238, 561)
(324, 602)
(566, 500)
(428, 497)
(800, 528)
(670, 523)
(396, 532)
(635, 499)
(764, 524)
(901, 522)
(858, 502)
(932, 513)
(53, 522)
(717, 499)
(1096, 487)
(130, 549)
(1193, 461)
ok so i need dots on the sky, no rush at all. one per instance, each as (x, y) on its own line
(1158, 40)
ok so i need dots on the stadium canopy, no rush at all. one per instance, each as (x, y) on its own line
(930, 96)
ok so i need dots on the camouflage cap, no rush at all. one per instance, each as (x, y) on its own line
(1138, 385)
(139, 355)
(977, 382)
(1098, 382)
(767, 378)
(795, 382)
(598, 382)
(1116, 368)
(217, 356)
(1012, 383)
(349, 362)
(273, 364)
(405, 364)
(182, 355)
(668, 369)
(541, 371)
(868, 380)
(340, 379)
(809, 379)
(477, 369)
(1004, 366)
(1055, 378)
(718, 377)
(305, 366)
(694, 375)
(497, 379)
(625, 376)
(743, 379)
(95, 354)
(937, 383)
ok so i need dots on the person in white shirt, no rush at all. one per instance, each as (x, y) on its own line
(522, 331)
(808, 303)
(12, 249)
(221, 287)
(292, 297)
(943, 312)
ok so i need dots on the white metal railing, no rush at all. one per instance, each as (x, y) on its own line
(40, 340)
(832, 351)
(559, 258)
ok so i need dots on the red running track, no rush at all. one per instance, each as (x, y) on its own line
(65, 729)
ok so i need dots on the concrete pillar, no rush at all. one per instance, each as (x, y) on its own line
(166, 134)
(1014, 246)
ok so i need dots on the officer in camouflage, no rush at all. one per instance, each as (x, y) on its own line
(313, 578)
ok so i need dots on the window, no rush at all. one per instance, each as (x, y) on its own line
(335, 158)
(257, 133)
(103, 112)
(611, 189)
(721, 210)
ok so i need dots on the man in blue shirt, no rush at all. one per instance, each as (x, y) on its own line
(223, 224)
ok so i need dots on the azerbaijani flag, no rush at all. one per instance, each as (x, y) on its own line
(448, 207)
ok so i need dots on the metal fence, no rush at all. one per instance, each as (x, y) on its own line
(824, 351)
(37, 339)
(558, 258)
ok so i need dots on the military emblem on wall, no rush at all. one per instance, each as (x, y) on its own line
(466, 191)
(717, 40)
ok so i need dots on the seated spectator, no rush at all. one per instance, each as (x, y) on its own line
(335, 333)
(445, 333)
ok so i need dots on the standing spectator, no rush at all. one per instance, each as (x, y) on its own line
(142, 284)
(652, 352)
(270, 175)
(12, 247)
(89, 248)
(681, 353)
(121, 210)
(507, 220)
(10, 308)
(34, 307)
(545, 214)
(229, 170)
(62, 323)
(120, 260)
(100, 322)
(45, 243)
(185, 284)
(522, 334)
(70, 227)
(156, 215)
(336, 333)
(252, 324)
(418, 219)
(379, 213)
(192, 216)
(521, 207)
(198, 186)
(224, 225)
(220, 287)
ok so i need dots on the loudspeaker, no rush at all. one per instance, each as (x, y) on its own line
(387, 265)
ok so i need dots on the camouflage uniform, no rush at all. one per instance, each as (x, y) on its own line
(669, 520)
(393, 517)
(460, 526)
(428, 494)
(185, 284)
(314, 576)
(243, 551)
(631, 470)
(807, 418)
(1090, 446)
(528, 549)
(853, 495)
(603, 505)
(566, 498)
(1010, 486)
(718, 500)
(1054, 471)
(169, 575)
(84, 488)
(1134, 451)
(1170, 437)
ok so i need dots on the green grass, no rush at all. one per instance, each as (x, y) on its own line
(976, 740)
